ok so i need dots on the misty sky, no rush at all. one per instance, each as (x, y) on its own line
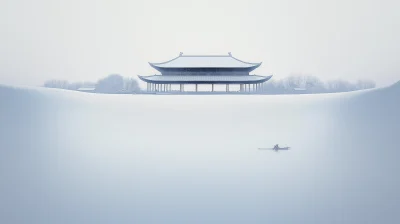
(80, 40)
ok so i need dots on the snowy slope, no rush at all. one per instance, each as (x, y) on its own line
(71, 157)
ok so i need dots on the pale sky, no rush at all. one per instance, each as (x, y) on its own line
(84, 40)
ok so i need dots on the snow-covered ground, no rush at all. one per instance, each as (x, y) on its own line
(71, 157)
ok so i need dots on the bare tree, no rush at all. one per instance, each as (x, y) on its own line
(131, 85)
(365, 84)
(60, 84)
(111, 84)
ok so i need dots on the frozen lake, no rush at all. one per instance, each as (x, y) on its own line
(71, 157)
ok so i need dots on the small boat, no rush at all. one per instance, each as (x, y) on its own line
(275, 148)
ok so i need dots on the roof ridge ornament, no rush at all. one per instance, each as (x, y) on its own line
(230, 54)
(180, 54)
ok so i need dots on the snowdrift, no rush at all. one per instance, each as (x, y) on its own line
(71, 157)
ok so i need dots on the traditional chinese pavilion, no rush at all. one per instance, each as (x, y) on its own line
(201, 69)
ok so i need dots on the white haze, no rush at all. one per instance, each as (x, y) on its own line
(84, 40)
(71, 157)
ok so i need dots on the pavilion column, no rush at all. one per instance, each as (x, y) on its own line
(227, 87)
(196, 87)
(212, 87)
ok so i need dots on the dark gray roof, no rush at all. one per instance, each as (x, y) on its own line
(205, 79)
(205, 61)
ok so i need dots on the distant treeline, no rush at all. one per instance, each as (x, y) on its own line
(311, 84)
(291, 85)
(111, 84)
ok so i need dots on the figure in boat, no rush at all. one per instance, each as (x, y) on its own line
(277, 148)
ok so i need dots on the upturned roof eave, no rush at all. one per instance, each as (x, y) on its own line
(155, 67)
(146, 79)
(162, 64)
